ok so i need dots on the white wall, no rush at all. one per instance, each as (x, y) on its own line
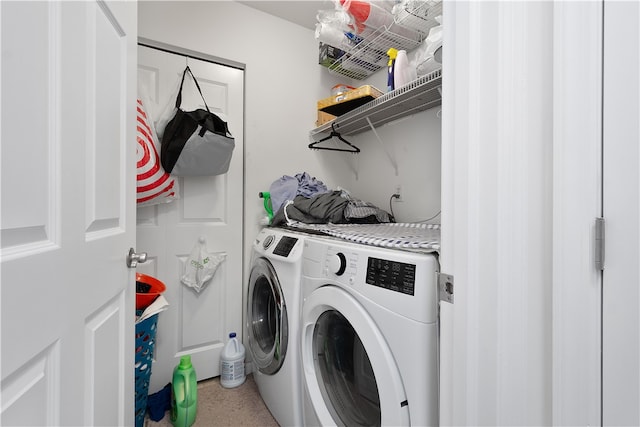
(414, 143)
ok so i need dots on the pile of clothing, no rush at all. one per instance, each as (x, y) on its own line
(306, 199)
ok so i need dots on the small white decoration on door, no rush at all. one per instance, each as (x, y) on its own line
(200, 266)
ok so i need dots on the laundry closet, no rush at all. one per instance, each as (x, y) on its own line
(537, 138)
(280, 100)
(496, 173)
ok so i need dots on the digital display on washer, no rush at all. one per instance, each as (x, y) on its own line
(284, 246)
(392, 275)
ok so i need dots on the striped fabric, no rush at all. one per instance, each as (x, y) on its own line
(408, 236)
(154, 185)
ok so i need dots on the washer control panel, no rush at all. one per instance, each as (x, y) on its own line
(392, 275)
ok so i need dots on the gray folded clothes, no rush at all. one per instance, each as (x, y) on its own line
(335, 207)
(320, 209)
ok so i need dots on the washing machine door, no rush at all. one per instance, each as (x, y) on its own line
(351, 377)
(267, 327)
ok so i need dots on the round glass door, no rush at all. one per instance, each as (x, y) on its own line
(346, 377)
(350, 375)
(267, 329)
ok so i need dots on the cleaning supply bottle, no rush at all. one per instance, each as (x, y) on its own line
(232, 363)
(402, 72)
(392, 53)
(184, 394)
(267, 205)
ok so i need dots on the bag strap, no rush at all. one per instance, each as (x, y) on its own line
(179, 98)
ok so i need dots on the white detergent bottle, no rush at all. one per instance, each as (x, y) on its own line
(232, 363)
(403, 72)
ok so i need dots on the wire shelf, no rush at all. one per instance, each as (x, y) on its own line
(419, 95)
(410, 27)
(419, 15)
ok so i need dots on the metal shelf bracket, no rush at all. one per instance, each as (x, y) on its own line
(390, 156)
(354, 164)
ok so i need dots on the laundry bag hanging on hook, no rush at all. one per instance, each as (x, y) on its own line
(201, 266)
(196, 143)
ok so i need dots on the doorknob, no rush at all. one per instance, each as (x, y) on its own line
(134, 258)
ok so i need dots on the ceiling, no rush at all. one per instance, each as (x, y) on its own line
(301, 12)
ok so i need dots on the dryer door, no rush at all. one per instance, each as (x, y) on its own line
(267, 330)
(351, 377)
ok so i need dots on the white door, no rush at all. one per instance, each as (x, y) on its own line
(211, 207)
(621, 276)
(68, 216)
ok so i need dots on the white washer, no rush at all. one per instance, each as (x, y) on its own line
(369, 335)
(273, 316)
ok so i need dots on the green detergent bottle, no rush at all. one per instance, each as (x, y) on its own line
(184, 394)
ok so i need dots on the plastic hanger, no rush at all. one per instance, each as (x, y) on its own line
(336, 134)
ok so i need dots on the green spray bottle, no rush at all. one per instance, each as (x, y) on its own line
(267, 204)
(184, 394)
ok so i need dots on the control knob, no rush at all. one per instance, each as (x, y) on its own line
(338, 264)
(268, 241)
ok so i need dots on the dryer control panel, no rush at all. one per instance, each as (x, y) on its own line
(284, 246)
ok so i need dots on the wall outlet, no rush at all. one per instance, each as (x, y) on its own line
(399, 193)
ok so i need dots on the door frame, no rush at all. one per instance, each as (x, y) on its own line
(142, 41)
(577, 201)
(621, 210)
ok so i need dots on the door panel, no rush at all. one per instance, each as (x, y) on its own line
(209, 207)
(621, 181)
(33, 227)
(67, 153)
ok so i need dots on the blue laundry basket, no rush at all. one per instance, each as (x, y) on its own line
(145, 344)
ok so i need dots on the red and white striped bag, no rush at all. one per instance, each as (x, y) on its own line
(155, 186)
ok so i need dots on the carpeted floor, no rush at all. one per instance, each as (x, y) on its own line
(219, 406)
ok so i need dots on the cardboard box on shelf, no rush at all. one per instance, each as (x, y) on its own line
(324, 118)
(347, 101)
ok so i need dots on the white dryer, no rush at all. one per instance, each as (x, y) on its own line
(273, 316)
(368, 335)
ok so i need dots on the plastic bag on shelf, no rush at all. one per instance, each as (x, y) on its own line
(334, 27)
(337, 17)
(429, 55)
(333, 36)
(367, 14)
